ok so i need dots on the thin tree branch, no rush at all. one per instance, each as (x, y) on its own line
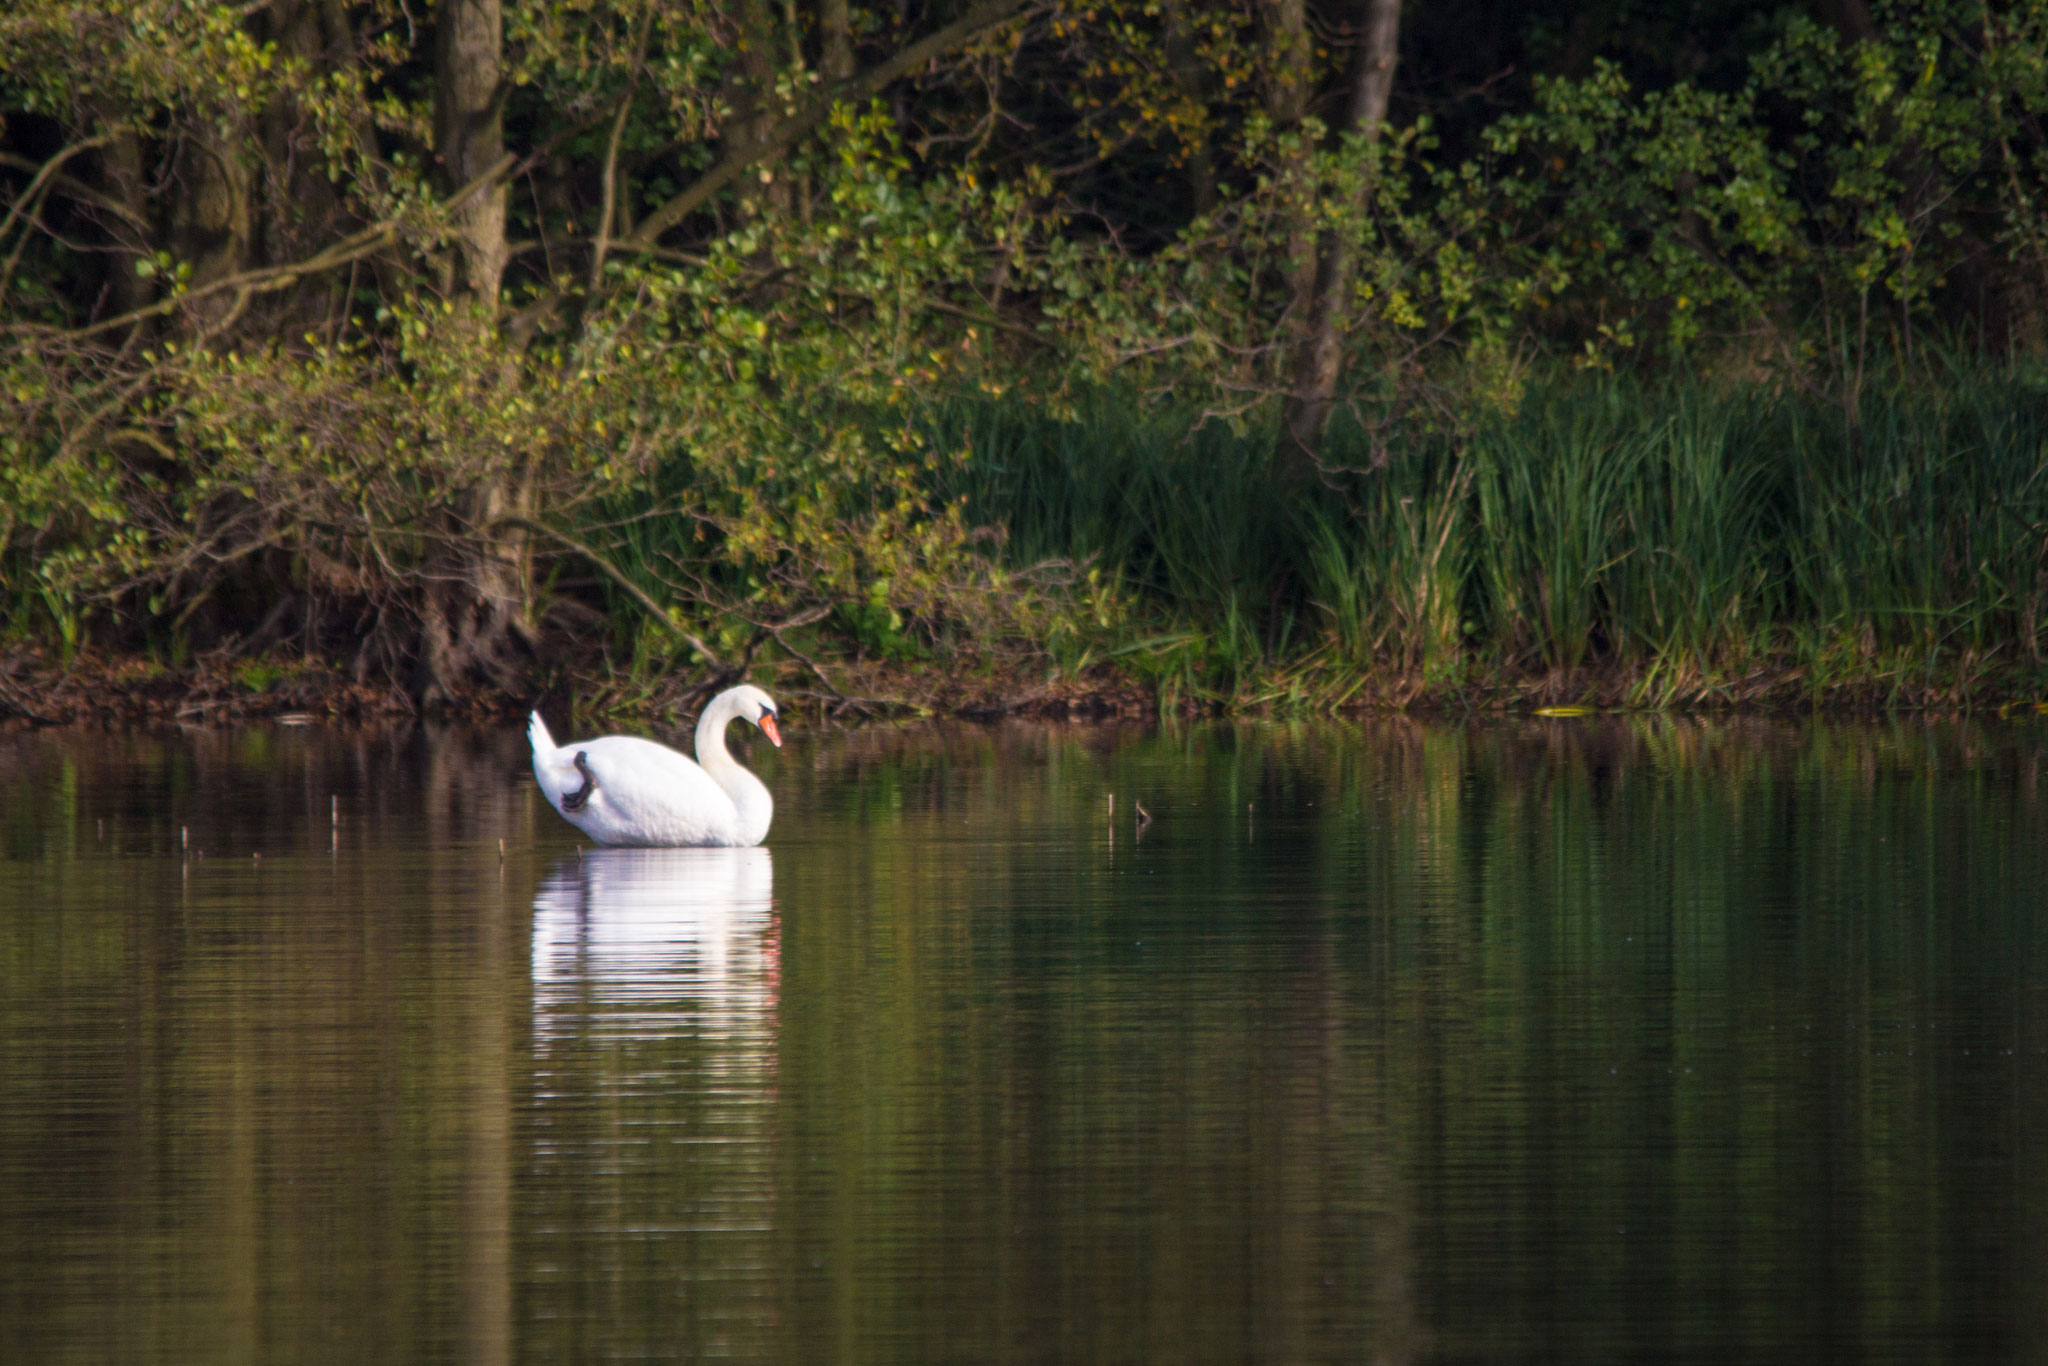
(611, 154)
(811, 617)
(273, 278)
(785, 134)
(49, 169)
(611, 571)
(99, 416)
(23, 209)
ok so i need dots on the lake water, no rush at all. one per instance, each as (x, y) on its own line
(1589, 1040)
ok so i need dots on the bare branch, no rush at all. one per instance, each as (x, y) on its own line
(43, 176)
(30, 196)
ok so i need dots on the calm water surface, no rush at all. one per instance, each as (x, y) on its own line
(1589, 1040)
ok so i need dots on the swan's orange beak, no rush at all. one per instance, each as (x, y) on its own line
(768, 728)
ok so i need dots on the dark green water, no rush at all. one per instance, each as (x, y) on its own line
(1589, 1040)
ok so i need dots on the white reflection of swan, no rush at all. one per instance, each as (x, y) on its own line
(652, 942)
(651, 1129)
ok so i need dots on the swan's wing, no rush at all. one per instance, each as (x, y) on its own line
(554, 769)
(649, 794)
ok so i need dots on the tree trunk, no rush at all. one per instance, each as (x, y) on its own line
(755, 113)
(210, 220)
(1193, 84)
(473, 619)
(121, 180)
(1290, 52)
(469, 139)
(300, 208)
(1850, 18)
(1320, 361)
(835, 27)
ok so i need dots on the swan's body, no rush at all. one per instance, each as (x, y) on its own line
(623, 790)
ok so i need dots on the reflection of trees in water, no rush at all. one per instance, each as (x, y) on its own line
(1476, 1029)
(651, 1200)
(266, 788)
(1480, 1029)
(297, 1074)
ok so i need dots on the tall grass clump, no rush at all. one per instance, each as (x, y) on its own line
(1917, 534)
(1386, 570)
(1551, 497)
(1177, 508)
(1651, 541)
(1690, 588)
(1173, 526)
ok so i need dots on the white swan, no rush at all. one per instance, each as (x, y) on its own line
(622, 790)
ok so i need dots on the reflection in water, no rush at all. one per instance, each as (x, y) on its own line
(1636, 1039)
(654, 1024)
(258, 1081)
(648, 941)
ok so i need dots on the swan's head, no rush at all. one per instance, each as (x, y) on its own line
(751, 704)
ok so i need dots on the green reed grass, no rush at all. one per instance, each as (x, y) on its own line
(1690, 584)
(1552, 498)
(1923, 528)
(1179, 510)
(1387, 571)
(1688, 534)
(1181, 517)
(1697, 540)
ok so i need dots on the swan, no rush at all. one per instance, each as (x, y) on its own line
(623, 790)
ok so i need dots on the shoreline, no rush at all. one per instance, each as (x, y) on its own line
(95, 688)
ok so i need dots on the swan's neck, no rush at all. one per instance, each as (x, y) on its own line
(749, 795)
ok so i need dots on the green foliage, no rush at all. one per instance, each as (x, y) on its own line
(1656, 375)
(788, 465)
(1808, 218)
(259, 675)
(1206, 316)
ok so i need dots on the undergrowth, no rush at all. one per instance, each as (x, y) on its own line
(1608, 539)
(1612, 538)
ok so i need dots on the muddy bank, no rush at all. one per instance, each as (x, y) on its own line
(37, 689)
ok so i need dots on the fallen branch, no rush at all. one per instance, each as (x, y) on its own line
(12, 702)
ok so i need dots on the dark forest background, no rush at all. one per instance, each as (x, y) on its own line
(1279, 350)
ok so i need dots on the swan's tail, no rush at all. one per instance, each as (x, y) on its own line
(537, 734)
